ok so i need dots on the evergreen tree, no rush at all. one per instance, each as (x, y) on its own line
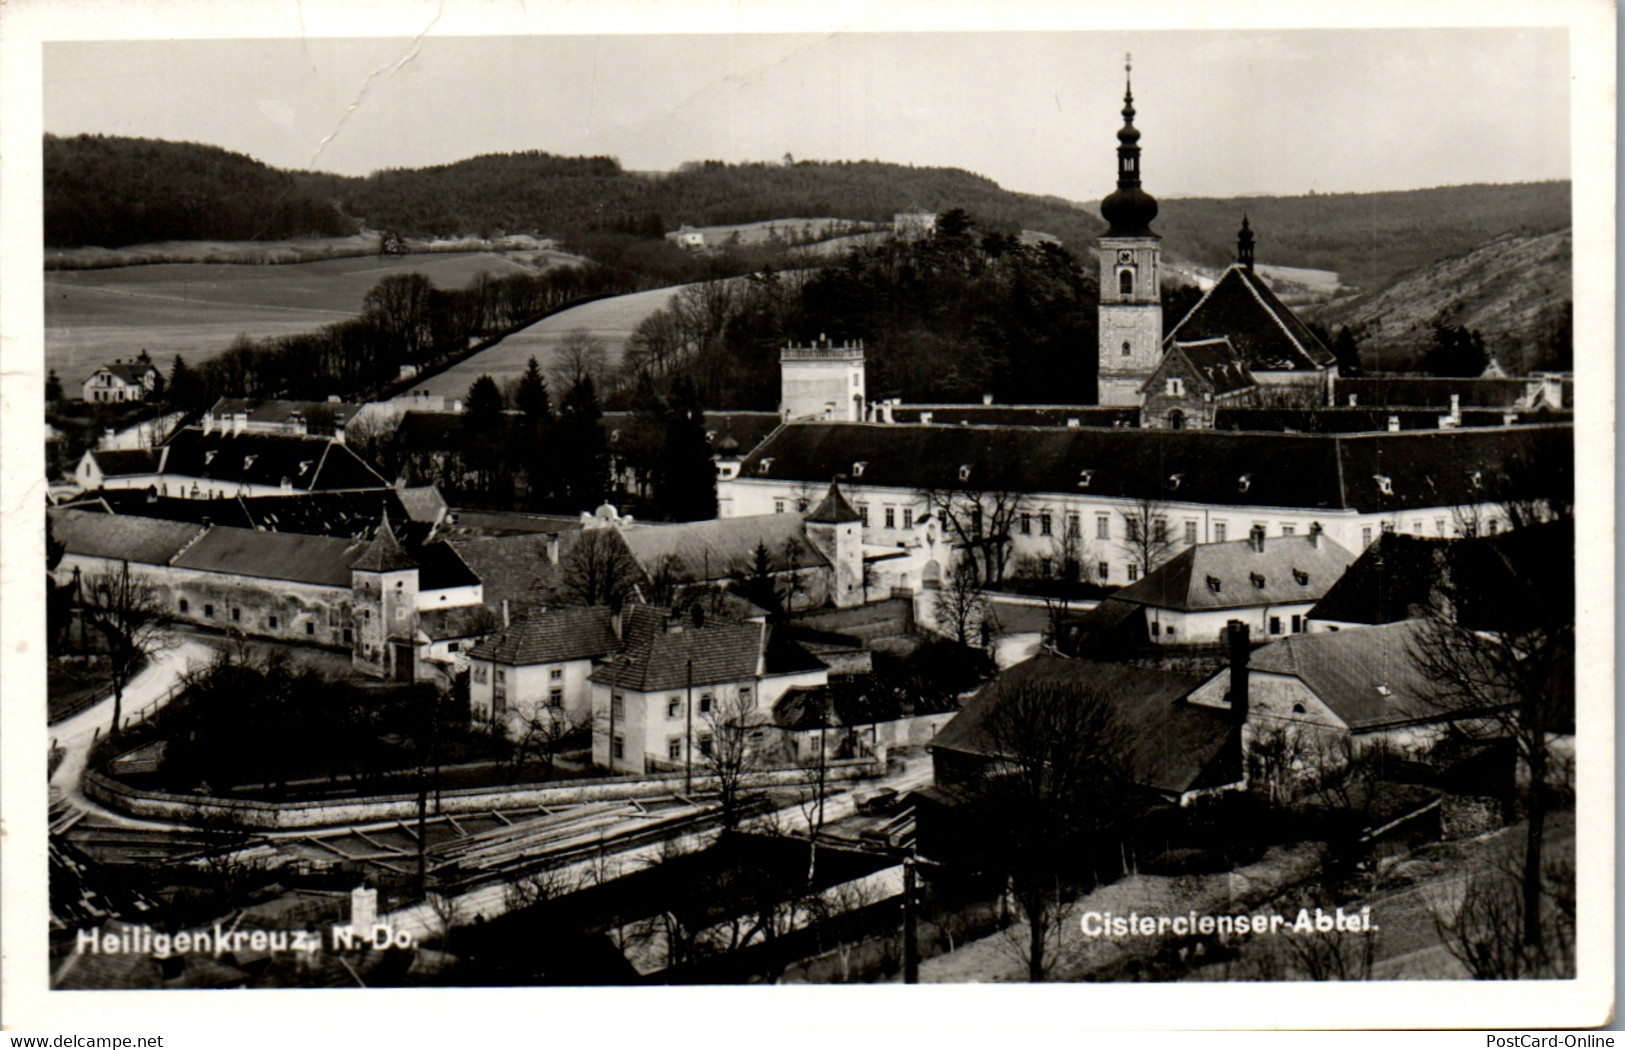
(53, 388)
(1347, 351)
(485, 436)
(686, 481)
(582, 447)
(1456, 352)
(482, 409)
(531, 397)
(186, 389)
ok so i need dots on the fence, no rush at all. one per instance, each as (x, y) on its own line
(253, 813)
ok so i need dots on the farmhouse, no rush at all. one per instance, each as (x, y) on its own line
(120, 382)
(1269, 584)
(541, 659)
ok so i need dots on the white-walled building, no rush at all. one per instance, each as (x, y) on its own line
(1078, 487)
(120, 382)
(542, 659)
(822, 381)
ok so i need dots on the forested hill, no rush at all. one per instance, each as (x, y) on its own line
(110, 191)
(1368, 238)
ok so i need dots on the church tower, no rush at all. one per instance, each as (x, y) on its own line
(1130, 284)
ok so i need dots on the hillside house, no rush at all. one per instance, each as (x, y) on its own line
(1269, 583)
(120, 382)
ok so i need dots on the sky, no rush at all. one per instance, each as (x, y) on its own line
(1225, 113)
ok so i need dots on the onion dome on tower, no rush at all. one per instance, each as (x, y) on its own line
(1129, 209)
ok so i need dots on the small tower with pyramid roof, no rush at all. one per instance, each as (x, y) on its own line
(384, 590)
(836, 530)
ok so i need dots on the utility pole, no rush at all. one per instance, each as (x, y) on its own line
(688, 736)
(911, 936)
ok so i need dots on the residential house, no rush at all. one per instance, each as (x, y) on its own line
(542, 658)
(117, 469)
(1269, 583)
(120, 382)
(681, 679)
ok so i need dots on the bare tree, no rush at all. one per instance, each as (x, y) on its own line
(598, 569)
(1147, 540)
(1056, 784)
(129, 611)
(400, 305)
(1502, 669)
(537, 736)
(729, 749)
(1483, 927)
(535, 887)
(960, 607)
(580, 355)
(981, 523)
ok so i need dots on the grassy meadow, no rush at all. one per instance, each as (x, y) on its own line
(197, 309)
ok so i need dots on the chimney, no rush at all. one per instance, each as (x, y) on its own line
(504, 614)
(987, 399)
(1393, 424)
(1236, 633)
(616, 624)
(1256, 539)
(553, 549)
(1314, 533)
(1354, 400)
(338, 433)
(925, 417)
(1455, 407)
(363, 907)
(208, 423)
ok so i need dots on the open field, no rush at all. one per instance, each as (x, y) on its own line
(611, 321)
(786, 230)
(196, 309)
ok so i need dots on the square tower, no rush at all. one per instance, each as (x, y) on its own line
(1130, 336)
(822, 381)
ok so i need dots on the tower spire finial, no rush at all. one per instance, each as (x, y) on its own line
(1130, 210)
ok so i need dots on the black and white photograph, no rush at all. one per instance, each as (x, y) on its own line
(546, 503)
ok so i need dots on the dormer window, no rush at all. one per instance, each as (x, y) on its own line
(248, 461)
(1085, 477)
(1301, 576)
(1215, 584)
(857, 468)
(765, 465)
(1258, 580)
(305, 465)
(1385, 484)
(1244, 483)
(1173, 482)
(964, 472)
(1477, 478)
(208, 457)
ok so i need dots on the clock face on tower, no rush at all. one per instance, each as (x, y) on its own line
(1125, 257)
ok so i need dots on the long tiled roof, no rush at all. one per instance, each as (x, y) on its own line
(321, 416)
(512, 568)
(1394, 578)
(125, 462)
(1365, 472)
(1367, 677)
(550, 636)
(1265, 332)
(320, 560)
(310, 513)
(1345, 420)
(1170, 743)
(1432, 392)
(307, 463)
(1020, 415)
(147, 541)
(724, 547)
(717, 652)
(1235, 575)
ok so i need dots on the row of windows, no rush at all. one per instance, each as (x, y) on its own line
(272, 620)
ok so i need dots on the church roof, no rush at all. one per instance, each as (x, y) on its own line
(1213, 363)
(1267, 335)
